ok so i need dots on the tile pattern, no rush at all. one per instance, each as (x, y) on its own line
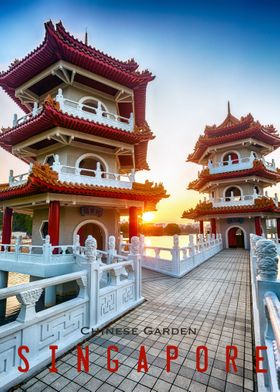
(214, 298)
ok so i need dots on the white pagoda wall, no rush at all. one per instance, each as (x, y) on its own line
(75, 94)
(69, 155)
(248, 225)
(70, 218)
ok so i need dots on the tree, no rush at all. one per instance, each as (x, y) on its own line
(171, 229)
(21, 222)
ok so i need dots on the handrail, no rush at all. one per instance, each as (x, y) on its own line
(273, 307)
(40, 284)
(109, 267)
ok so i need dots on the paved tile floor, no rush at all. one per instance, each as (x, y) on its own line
(214, 299)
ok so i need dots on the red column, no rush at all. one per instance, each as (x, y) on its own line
(133, 222)
(7, 225)
(213, 226)
(54, 218)
(201, 229)
(278, 227)
(258, 227)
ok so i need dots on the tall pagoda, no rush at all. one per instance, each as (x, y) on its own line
(84, 134)
(234, 176)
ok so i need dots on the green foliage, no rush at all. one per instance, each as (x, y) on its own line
(21, 222)
(171, 229)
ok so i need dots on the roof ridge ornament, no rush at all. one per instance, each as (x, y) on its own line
(86, 37)
(228, 108)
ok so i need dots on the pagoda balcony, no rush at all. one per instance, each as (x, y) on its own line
(244, 200)
(96, 177)
(82, 111)
(91, 113)
(241, 200)
(232, 165)
(79, 175)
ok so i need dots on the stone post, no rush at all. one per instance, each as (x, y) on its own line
(142, 245)
(135, 254)
(76, 245)
(176, 255)
(28, 300)
(93, 287)
(191, 244)
(4, 275)
(111, 249)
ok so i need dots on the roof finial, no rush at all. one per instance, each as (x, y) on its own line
(228, 108)
(86, 37)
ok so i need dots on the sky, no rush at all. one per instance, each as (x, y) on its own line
(203, 54)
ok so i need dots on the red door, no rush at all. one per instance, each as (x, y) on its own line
(235, 238)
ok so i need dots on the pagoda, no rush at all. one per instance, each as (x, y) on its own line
(234, 176)
(84, 135)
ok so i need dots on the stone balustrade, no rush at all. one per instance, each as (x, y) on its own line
(264, 261)
(82, 111)
(90, 113)
(47, 260)
(242, 200)
(238, 164)
(97, 304)
(177, 261)
(35, 111)
(92, 177)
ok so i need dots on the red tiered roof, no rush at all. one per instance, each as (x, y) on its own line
(57, 45)
(51, 117)
(263, 204)
(258, 169)
(43, 179)
(231, 130)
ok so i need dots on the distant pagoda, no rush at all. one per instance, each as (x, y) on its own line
(234, 175)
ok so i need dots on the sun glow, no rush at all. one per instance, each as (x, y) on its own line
(147, 216)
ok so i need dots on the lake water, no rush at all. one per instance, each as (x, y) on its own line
(163, 241)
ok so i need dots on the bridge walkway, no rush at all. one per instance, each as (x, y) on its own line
(214, 299)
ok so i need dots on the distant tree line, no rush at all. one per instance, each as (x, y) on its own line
(21, 222)
(151, 229)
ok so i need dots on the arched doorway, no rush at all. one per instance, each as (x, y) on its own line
(230, 157)
(236, 238)
(233, 194)
(89, 164)
(94, 229)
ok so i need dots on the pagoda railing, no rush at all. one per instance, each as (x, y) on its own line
(92, 177)
(265, 294)
(83, 111)
(49, 260)
(17, 180)
(35, 111)
(79, 175)
(241, 200)
(238, 164)
(97, 302)
(90, 113)
(177, 260)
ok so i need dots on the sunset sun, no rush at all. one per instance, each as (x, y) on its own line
(147, 217)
